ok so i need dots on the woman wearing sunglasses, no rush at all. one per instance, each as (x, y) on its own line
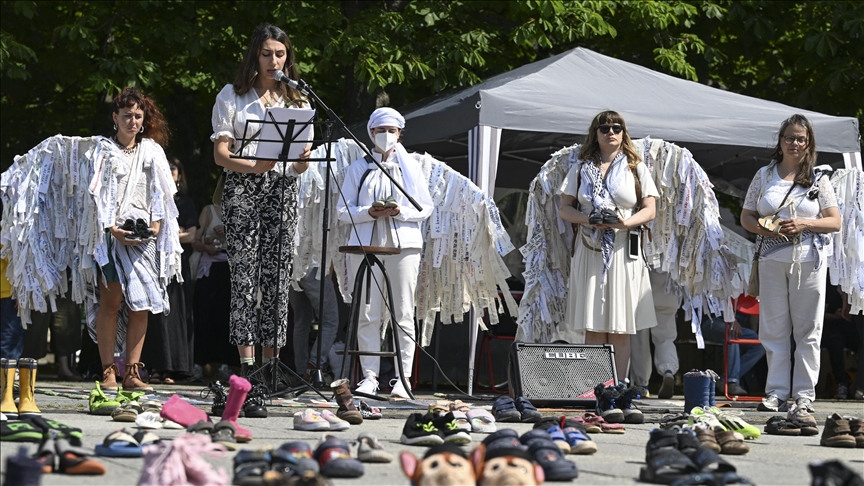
(607, 194)
(792, 264)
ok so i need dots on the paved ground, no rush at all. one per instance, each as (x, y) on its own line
(772, 459)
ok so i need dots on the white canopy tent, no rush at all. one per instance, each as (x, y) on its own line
(514, 121)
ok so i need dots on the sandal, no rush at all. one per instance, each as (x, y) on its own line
(127, 412)
(460, 406)
(250, 466)
(605, 427)
(778, 425)
(120, 443)
(666, 465)
(555, 466)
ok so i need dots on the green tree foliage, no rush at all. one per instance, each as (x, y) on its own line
(61, 62)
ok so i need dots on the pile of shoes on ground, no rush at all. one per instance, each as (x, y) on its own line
(677, 455)
(331, 458)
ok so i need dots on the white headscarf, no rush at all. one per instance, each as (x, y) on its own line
(384, 117)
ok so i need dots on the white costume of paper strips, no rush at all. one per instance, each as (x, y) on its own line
(464, 240)
(58, 200)
(846, 265)
(686, 241)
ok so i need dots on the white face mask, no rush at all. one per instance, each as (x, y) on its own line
(386, 141)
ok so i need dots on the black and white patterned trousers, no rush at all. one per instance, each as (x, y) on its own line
(252, 213)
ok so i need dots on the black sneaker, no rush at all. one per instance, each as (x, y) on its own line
(220, 394)
(606, 407)
(129, 226)
(254, 407)
(596, 217)
(624, 402)
(609, 216)
(452, 433)
(420, 429)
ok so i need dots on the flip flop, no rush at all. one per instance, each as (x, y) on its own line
(119, 444)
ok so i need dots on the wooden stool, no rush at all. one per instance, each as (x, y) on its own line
(364, 272)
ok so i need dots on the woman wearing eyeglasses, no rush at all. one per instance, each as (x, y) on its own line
(607, 193)
(792, 264)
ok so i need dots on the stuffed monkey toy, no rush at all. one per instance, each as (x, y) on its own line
(442, 465)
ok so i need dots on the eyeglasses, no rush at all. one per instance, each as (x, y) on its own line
(604, 129)
(799, 140)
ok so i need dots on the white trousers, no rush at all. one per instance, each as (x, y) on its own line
(663, 336)
(787, 310)
(402, 270)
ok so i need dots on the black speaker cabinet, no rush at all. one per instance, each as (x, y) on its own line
(560, 374)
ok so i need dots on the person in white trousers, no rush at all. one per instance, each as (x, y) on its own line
(792, 264)
(663, 336)
(382, 216)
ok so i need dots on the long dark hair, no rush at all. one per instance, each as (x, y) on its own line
(591, 148)
(182, 187)
(804, 176)
(249, 67)
(154, 124)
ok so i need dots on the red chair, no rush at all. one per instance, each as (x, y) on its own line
(745, 305)
(486, 344)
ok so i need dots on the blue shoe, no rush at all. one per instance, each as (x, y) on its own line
(504, 410)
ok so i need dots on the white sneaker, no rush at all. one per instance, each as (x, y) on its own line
(369, 385)
(398, 389)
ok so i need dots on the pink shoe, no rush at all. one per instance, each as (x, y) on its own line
(180, 461)
(238, 389)
(598, 421)
(178, 410)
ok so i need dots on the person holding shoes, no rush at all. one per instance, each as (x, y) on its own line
(141, 256)
(608, 194)
(792, 263)
(382, 216)
(258, 204)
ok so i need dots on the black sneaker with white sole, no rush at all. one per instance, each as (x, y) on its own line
(420, 429)
(450, 428)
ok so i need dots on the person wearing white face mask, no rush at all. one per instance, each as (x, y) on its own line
(382, 216)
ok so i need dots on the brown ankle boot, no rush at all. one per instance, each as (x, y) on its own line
(109, 377)
(132, 379)
(347, 411)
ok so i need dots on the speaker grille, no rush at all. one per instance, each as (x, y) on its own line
(562, 373)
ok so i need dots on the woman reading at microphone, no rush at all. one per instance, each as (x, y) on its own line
(254, 189)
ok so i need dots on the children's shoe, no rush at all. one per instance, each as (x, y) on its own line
(481, 421)
(420, 429)
(837, 433)
(698, 388)
(369, 413)
(462, 421)
(101, 404)
(504, 410)
(799, 415)
(220, 394)
(335, 422)
(606, 406)
(733, 421)
(579, 440)
(632, 415)
(701, 415)
(447, 425)
(294, 457)
(27, 368)
(370, 450)
(529, 412)
(554, 434)
(347, 411)
(7, 381)
(310, 420)
(555, 466)
(334, 459)
(253, 406)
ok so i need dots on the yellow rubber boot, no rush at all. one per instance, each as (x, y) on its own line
(27, 387)
(7, 381)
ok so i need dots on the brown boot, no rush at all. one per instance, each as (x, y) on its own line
(132, 379)
(109, 377)
(347, 411)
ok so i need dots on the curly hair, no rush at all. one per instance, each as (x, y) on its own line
(591, 148)
(804, 176)
(155, 126)
(249, 67)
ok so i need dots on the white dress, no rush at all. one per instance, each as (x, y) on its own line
(625, 304)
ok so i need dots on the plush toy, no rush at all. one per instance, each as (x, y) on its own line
(506, 466)
(442, 465)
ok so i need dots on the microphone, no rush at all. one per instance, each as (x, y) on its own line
(298, 85)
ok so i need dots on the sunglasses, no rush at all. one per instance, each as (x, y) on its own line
(604, 129)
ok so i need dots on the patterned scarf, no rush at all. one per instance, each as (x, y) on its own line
(599, 192)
